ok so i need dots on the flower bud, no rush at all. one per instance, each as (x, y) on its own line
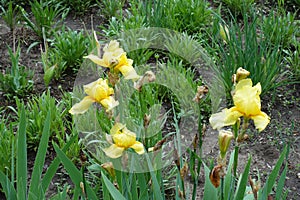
(109, 168)
(241, 74)
(224, 141)
(201, 91)
(224, 33)
(148, 77)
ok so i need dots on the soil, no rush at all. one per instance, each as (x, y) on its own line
(283, 106)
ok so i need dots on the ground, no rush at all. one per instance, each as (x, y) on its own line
(283, 106)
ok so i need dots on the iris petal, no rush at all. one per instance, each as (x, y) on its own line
(114, 151)
(95, 59)
(261, 121)
(225, 118)
(109, 103)
(82, 106)
(138, 147)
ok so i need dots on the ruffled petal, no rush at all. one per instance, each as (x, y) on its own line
(129, 73)
(113, 47)
(243, 83)
(109, 103)
(247, 100)
(232, 116)
(89, 88)
(116, 128)
(95, 59)
(138, 147)
(82, 106)
(226, 117)
(113, 151)
(261, 121)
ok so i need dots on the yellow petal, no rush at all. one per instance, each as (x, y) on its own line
(138, 147)
(95, 59)
(261, 121)
(232, 116)
(98, 90)
(247, 100)
(124, 138)
(114, 151)
(109, 103)
(217, 120)
(243, 83)
(88, 88)
(258, 88)
(82, 106)
(129, 73)
(113, 47)
(116, 128)
(224, 118)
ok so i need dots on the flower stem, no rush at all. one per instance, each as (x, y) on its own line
(235, 161)
(236, 148)
(222, 188)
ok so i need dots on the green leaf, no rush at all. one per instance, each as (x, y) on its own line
(263, 194)
(22, 157)
(7, 187)
(210, 192)
(35, 189)
(229, 179)
(142, 182)
(279, 189)
(74, 173)
(112, 189)
(49, 73)
(156, 188)
(240, 191)
(54, 166)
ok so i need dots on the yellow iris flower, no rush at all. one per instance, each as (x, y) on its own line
(122, 139)
(97, 91)
(246, 103)
(115, 58)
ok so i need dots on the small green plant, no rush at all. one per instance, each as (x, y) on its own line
(111, 8)
(279, 28)
(190, 16)
(11, 15)
(36, 112)
(247, 49)
(293, 59)
(242, 190)
(7, 146)
(17, 81)
(239, 6)
(47, 18)
(65, 52)
(15, 184)
(79, 7)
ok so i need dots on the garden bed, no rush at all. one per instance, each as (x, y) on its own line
(280, 99)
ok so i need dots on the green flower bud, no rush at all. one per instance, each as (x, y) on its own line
(224, 141)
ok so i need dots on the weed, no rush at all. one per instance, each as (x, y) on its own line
(46, 18)
(36, 111)
(78, 6)
(7, 146)
(247, 49)
(11, 15)
(279, 29)
(65, 52)
(239, 6)
(17, 81)
(111, 8)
